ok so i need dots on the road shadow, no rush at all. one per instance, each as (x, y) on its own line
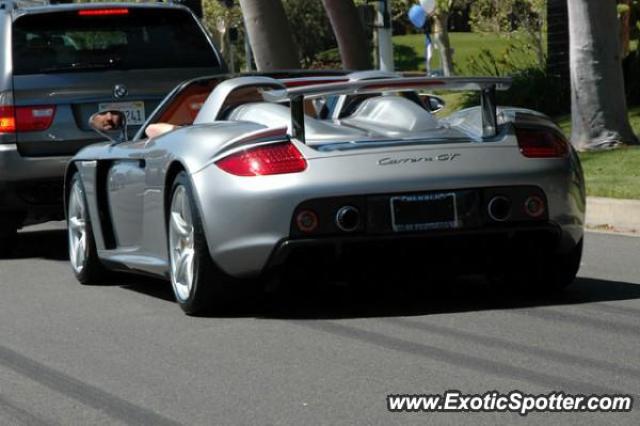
(329, 300)
(456, 296)
(45, 244)
(153, 287)
(332, 301)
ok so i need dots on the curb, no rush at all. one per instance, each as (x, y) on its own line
(613, 215)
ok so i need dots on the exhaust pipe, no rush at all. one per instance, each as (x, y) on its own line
(499, 208)
(348, 218)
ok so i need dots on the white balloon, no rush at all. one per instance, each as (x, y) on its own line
(429, 6)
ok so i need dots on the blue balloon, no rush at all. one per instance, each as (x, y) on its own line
(417, 16)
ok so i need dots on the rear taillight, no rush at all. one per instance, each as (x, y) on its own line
(7, 119)
(539, 143)
(34, 118)
(272, 159)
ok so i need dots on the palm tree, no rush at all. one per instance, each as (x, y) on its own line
(349, 31)
(599, 108)
(558, 39)
(269, 34)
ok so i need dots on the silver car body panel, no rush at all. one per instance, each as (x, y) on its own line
(245, 218)
(359, 76)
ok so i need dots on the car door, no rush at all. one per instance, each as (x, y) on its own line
(125, 190)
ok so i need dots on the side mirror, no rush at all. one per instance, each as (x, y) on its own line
(433, 103)
(111, 124)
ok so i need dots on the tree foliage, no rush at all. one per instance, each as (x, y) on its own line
(525, 18)
(310, 28)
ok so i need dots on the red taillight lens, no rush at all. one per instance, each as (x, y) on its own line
(536, 143)
(103, 12)
(7, 119)
(274, 159)
(34, 118)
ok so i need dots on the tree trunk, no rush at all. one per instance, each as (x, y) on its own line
(599, 109)
(625, 29)
(558, 40)
(269, 34)
(538, 41)
(441, 40)
(349, 31)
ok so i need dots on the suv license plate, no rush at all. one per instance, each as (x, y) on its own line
(410, 213)
(134, 111)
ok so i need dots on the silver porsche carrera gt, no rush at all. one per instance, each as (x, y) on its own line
(261, 176)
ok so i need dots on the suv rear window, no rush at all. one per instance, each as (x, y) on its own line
(118, 38)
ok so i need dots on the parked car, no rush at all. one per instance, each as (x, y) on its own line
(59, 64)
(255, 183)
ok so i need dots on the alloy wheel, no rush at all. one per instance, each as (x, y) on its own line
(77, 228)
(181, 244)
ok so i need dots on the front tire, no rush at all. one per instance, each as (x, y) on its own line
(197, 283)
(83, 254)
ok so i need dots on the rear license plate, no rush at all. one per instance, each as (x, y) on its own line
(134, 111)
(424, 212)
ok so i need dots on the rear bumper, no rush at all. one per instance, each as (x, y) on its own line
(431, 253)
(16, 168)
(31, 185)
(455, 238)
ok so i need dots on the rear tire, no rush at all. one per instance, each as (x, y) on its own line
(83, 254)
(199, 286)
(560, 270)
(537, 273)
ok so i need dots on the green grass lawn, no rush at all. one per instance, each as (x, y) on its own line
(410, 50)
(614, 173)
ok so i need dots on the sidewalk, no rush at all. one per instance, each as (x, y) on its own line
(613, 215)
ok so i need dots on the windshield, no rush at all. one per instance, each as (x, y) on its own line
(138, 39)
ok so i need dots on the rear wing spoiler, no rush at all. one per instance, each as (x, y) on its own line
(486, 85)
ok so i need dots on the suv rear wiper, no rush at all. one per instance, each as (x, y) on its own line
(83, 66)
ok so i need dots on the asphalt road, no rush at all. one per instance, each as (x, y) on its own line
(125, 354)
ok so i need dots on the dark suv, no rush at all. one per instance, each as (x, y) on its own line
(59, 64)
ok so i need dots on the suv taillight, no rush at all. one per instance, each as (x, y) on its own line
(540, 143)
(7, 119)
(34, 118)
(272, 159)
